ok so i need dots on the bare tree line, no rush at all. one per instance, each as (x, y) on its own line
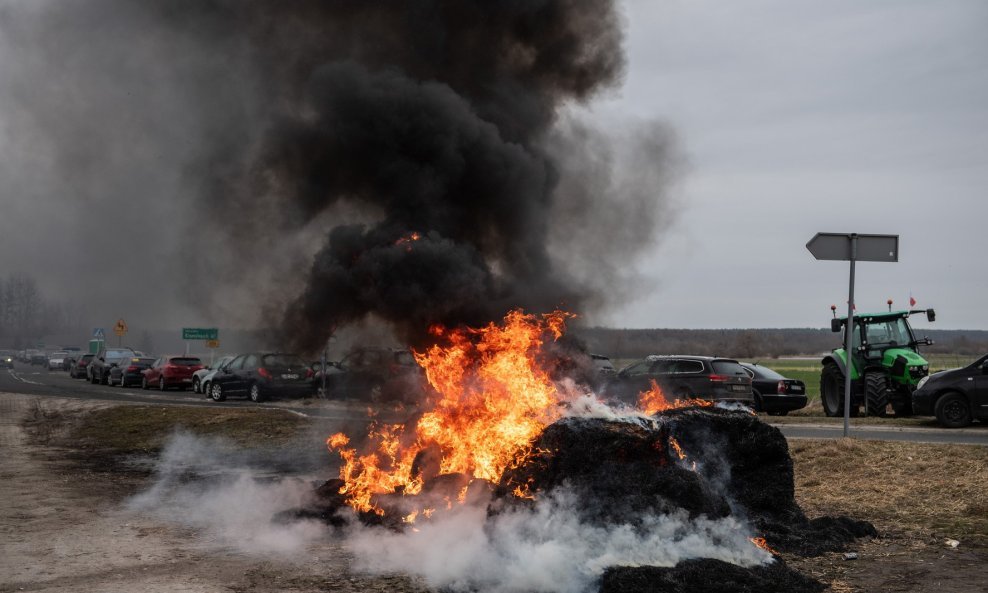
(26, 315)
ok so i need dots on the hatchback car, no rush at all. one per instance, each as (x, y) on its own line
(683, 377)
(773, 393)
(200, 378)
(956, 396)
(56, 360)
(171, 371)
(260, 375)
(377, 374)
(78, 368)
(130, 372)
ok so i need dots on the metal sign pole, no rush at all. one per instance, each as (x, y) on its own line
(849, 339)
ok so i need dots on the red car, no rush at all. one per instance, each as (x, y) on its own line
(171, 371)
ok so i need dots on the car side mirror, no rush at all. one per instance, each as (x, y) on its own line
(984, 367)
(835, 325)
(931, 315)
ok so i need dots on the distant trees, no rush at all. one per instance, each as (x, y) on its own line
(25, 315)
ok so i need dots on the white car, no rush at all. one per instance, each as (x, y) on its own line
(56, 360)
(200, 378)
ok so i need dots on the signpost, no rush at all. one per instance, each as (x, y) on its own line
(120, 329)
(210, 334)
(852, 247)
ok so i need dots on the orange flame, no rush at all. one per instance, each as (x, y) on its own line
(677, 448)
(493, 400)
(761, 543)
(654, 401)
(407, 240)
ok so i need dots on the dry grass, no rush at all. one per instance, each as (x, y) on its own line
(126, 429)
(932, 490)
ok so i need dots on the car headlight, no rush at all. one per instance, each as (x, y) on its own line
(922, 382)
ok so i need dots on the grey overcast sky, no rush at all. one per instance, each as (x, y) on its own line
(799, 117)
(794, 116)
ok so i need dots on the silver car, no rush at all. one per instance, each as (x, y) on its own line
(201, 378)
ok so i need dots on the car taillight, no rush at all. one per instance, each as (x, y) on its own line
(718, 378)
(170, 368)
(132, 369)
(264, 372)
(781, 388)
(309, 373)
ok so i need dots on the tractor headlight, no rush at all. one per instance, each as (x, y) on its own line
(922, 382)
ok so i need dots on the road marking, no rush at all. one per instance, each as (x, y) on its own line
(22, 379)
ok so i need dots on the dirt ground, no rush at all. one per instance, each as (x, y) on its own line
(64, 527)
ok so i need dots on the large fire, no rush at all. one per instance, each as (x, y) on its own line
(493, 397)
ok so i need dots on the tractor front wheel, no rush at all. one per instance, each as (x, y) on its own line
(832, 390)
(876, 394)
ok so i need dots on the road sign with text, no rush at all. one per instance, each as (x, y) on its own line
(200, 333)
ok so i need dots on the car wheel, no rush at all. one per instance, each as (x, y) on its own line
(195, 384)
(109, 380)
(759, 406)
(952, 410)
(216, 392)
(161, 383)
(376, 393)
(105, 379)
(144, 383)
(255, 393)
(205, 389)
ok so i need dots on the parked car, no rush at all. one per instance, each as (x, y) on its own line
(956, 396)
(683, 377)
(200, 378)
(129, 372)
(56, 360)
(6, 359)
(260, 375)
(171, 371)
(773, 393)
(78, 368)
(378, 374)
(98, 370)
(39, 358)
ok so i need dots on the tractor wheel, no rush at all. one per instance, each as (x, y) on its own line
(832, 390)
(953, 410)
(876, 394)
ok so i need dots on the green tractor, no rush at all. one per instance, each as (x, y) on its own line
(885, 369)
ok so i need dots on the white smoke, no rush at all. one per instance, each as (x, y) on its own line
(200, 485)
(546, 549)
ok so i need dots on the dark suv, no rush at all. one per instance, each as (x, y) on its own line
(378, 374)
(683, 377)
(955, 397)
(260, 375)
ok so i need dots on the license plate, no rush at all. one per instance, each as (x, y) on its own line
(738, 388)
(795, 388)
(289, 376)
(189, 380)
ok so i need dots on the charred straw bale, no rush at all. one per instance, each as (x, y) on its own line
(707, 576)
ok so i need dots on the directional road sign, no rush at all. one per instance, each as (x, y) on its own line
(838, 246)
(200, 333)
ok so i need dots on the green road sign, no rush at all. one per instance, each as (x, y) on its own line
(200, 333)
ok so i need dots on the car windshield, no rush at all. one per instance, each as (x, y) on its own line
(185, 361)
(281, 361)
(728, 367)
(764, 373)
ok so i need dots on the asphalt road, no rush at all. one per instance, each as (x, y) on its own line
(34, 380)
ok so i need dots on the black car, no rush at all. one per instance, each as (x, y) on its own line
(129, 372)
(683, 377)
(955, 397)
(98, 371)
(260, 375)
(78, 368)
(378, 374)
(773, 393)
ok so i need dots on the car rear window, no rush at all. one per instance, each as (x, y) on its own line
(281, 361)
(88, 356)
(764, 373)
(185, 362)
(404, 357)
(727, 367)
